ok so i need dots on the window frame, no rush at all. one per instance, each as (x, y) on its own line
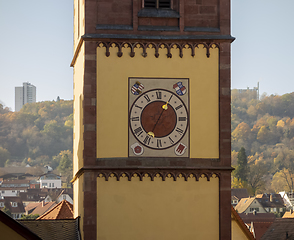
(157, 5)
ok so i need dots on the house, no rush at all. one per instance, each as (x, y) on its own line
(258, 223)
(39, 208)
(14, 204)
(272, 203)
(11, 229)
(33, 195)
(239, 229)
(288, 198)
(234, 201)
(249, 205)
(63, 210)
(281, 229)
(50, 180)
(58, 195)
(12, 191)
(289, 214)
(262, 203)
(237, 194)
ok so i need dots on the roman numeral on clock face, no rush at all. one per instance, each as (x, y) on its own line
(158, 95)
(182, 118)
(159, 143)
(171, 141)
(178, 107)
(180, 131)
(135, 118)
(147, 140)
(138, 131)
(147, 98)
(138, 106)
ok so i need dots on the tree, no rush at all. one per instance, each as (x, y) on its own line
(7, 211)
(242, 131)
(241, 171)
(4, 155)
(65, 163)
(256, 177)
(29, 216)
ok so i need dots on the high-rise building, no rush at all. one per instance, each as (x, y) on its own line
(24, 94)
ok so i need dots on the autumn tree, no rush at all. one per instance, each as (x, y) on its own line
(256, 177)
(4, 156)
(241, 171)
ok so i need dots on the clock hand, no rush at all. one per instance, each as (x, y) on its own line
(164, 107)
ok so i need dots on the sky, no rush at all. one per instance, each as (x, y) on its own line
(36, 46)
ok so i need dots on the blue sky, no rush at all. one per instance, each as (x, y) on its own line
(36, 45)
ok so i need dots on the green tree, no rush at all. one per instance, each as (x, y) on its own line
(7, 211)
(29, 216)
(4, 155)
(241, 171)
(65, 163)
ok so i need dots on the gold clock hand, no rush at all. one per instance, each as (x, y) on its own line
(151, 134)
(165, 106)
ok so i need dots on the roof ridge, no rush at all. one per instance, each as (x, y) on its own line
(47, 212)
(70, 206)
(59, 210)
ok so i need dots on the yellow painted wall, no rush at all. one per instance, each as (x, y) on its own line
(78, 127)
(8, 233)
(157, 209)
(78, 206)
(237, 232)
(79, 21)
(112, 96)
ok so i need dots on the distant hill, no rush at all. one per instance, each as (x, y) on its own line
(265, 128)
(39, 134)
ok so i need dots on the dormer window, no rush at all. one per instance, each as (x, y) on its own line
(157, 3)
(14, 204)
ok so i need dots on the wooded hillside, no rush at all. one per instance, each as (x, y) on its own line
(265, 128)
(39, 134)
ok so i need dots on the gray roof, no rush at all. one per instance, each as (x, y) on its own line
(54, 229)
(281, 229)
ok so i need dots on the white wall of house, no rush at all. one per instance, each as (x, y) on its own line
(10, 193)
(65, 197)
(50, 183)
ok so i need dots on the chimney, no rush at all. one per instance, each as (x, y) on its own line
(271, 197)
(43, 203)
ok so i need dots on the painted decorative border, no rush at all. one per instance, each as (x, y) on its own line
(155, 174)
(164, 173)
(156, 46)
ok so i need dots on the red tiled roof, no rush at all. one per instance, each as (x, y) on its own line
(63, 210)
(43, 207)
(260, 228)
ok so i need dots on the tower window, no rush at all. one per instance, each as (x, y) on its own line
(157, 3)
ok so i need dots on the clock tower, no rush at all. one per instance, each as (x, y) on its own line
(152, 119)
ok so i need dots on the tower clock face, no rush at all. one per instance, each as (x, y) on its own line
(158, 117)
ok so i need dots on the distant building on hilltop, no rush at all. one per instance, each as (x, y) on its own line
(24, 94)
(252, 93)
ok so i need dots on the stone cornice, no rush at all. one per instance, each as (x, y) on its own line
(143, 41)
